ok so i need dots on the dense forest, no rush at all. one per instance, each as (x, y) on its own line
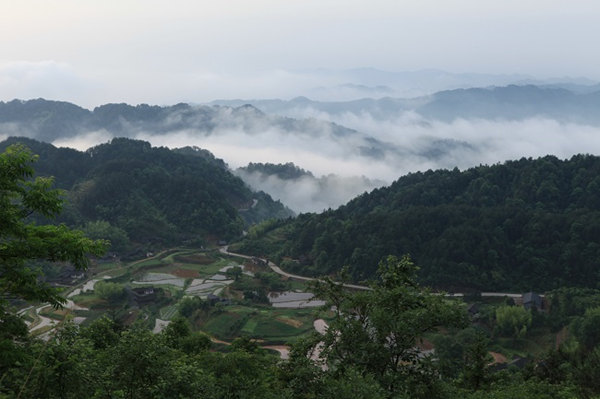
(287, 171)
(373, 347)
(132, 193)
(521, 225)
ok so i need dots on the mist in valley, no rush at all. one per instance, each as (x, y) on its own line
(346, 153)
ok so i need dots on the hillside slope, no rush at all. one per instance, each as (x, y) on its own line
(526, 224)
(154, 195)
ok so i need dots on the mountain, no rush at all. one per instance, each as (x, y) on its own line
(153, 195)
(514, 103)
(565, 103)
(51, 120)
(521, 225)
(356, 83)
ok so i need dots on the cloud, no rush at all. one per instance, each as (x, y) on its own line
(84, 141)
(381, 151)
(310, 194)
(412, 144)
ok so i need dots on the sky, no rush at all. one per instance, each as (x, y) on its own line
(164, 52)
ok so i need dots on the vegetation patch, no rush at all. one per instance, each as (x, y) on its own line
(197, 258)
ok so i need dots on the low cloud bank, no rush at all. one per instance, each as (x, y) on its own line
(381, 151)
(308, 193)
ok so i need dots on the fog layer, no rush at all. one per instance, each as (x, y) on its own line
(360, 149)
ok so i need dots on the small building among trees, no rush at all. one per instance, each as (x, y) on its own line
(532, 300)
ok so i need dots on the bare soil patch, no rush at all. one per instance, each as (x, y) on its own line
(185, 273)
(425, 344)
(498, 358)
(195, 258)
(290, 322)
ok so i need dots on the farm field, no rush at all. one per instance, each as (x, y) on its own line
(224, 309)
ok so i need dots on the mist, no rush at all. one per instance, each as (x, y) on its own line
(375, 153)
(308, 193)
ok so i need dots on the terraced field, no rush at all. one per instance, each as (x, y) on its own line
(173, 276)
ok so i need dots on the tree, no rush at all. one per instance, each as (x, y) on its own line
(100, 229)
(587, 328)
(377, 332)
(513, 320)
(23, 241)
(111, 292)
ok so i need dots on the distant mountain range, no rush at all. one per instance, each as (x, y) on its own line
(357, 83)
(365, 143)
(564, 103)
(50, 120)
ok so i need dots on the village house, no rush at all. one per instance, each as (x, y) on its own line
(532, 300)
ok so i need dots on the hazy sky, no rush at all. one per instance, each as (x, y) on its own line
(157, 51)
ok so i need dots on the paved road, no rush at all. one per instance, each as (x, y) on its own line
(278, 270)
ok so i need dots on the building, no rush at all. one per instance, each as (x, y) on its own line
(532, 300)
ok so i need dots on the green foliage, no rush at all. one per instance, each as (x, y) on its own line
(234, 273)
(136, 195)
(522, 225)
(513, 320)
(22, 239)
(586, 328)
(287, 171)
(112, 292)
(375, 332)
(23, 242)
(188, 305)
(100, 229)
(529, 389)
(567, 303)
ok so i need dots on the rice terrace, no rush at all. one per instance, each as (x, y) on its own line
(224, 296)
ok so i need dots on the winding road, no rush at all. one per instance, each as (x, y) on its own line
(225, 250)
(277, 269)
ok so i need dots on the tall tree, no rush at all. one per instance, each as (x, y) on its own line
(377, 332)
(23, 241)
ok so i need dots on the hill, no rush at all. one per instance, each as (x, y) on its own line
(570, 104)
(526, 224)
(152, 195)
(48, 121)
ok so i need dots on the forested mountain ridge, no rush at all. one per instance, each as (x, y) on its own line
(512, 102)
(526, 224)
(47, 120)
(150, 194)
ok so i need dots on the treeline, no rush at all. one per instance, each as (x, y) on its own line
(287, 171)
(369, 350)
(521, 225)
(133, 193)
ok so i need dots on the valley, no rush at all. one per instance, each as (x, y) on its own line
(211, 280)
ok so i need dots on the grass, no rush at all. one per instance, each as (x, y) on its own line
(249, 327)
(270, 324)
(224, 326)
(87, 300)
(57, 314)
(41, 331)
(167, 312)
